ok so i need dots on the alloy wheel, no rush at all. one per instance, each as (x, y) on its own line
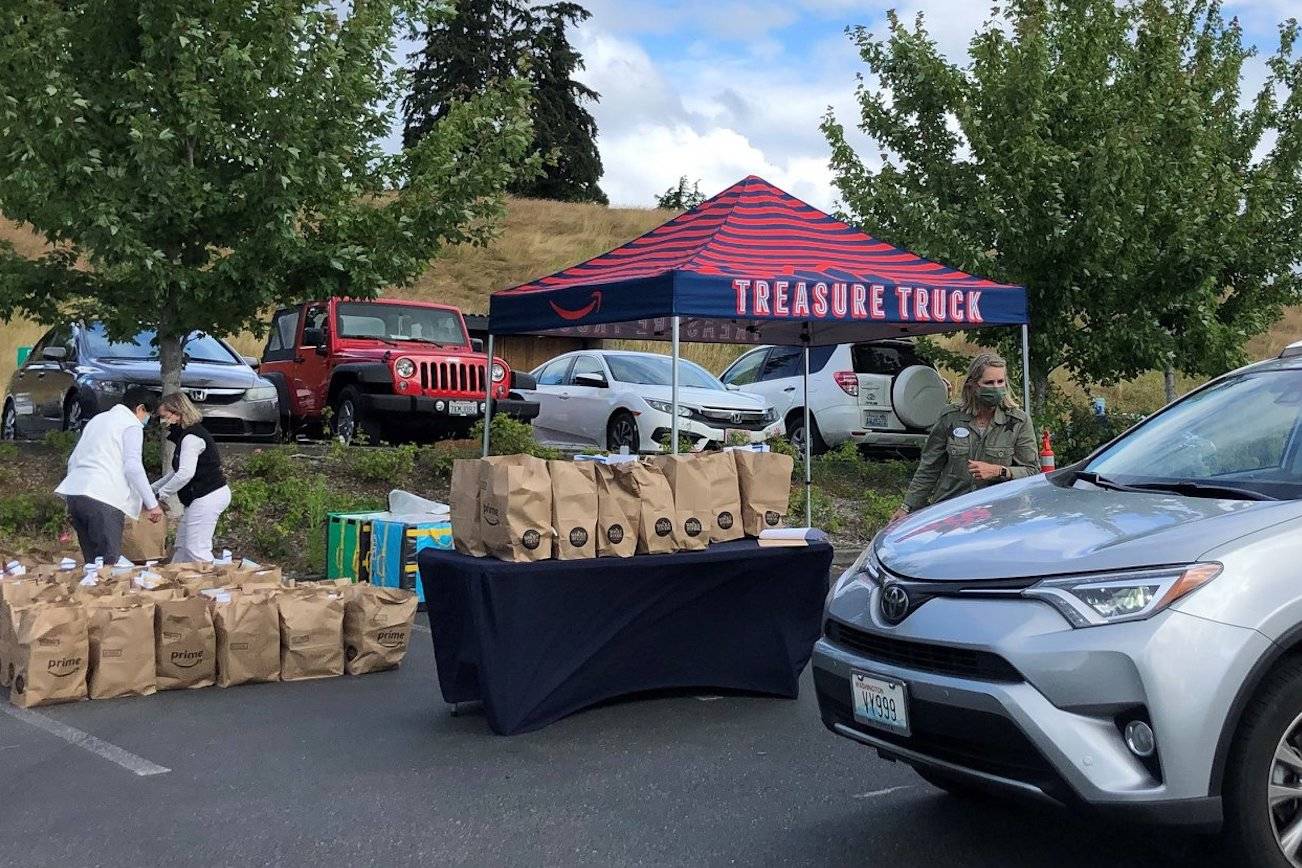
(1284, 793)
(346, 422)
(72, 416)
(624, 433)
(9, 425)
(796, 436)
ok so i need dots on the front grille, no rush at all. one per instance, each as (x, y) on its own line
(444, 377)
(224, 426)
(217, 398)
(925, 656)
(747, 420)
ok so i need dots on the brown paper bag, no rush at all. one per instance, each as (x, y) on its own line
(618, 510)
(121, 634)
(144, 540)
(692, 498)
(764, 481)
(377, 628)
(720, 472)
(515, 508)
(574, 508)
(51, 655)
(463, 505)
(14, 596)
(311, 634)
(264, 579)
(248, 639)
(185, 644)
(656, 524)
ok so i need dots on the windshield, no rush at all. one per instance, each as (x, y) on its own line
(1241, 432)
(395, 322)
(658, 371)
(199, 347)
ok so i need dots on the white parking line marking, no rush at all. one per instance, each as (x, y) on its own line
(84, 740)
(886, 792)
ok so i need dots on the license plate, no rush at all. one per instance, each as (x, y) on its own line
(463, 408)
(874, 420)
(881, 702)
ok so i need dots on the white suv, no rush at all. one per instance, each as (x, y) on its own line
(878, 393)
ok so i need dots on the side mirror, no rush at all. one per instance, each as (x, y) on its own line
(321, 349)
(594, 381)
(732, 387)
(521, 380)
(477, 344)
(313, 337)
(54, 354)
(252, 361)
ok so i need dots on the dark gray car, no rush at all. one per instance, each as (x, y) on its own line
(75, 371)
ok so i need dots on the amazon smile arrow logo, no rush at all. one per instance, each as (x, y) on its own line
(587, 310)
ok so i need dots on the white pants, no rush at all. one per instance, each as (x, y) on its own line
(198, 522)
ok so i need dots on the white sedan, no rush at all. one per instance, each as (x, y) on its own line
(611, 399)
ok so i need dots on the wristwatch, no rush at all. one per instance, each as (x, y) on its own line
(1005, 473)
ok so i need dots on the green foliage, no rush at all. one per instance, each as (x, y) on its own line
(62, 442)
(1076, 431)
(488, 41)
(389, 464)
(685, 443)
(513, 437)
(826, 516)
(28, 513)
(783, 445)
(681, 197)
(1095, 152)
(210, 165)
(8, 452)
(273, 464)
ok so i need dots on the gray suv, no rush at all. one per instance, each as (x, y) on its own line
(1123, 635)
(75, 371)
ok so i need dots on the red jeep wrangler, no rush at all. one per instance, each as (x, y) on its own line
(386, 368)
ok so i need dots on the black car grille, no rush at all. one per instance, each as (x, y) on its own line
(746, 420)
(925, 656)
(452, 377)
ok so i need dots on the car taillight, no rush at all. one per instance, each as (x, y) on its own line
(848, 382)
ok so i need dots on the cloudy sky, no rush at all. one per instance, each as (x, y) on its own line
(720, 89)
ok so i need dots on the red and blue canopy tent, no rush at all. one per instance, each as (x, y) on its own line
(756, 265)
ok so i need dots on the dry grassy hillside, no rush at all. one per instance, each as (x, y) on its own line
(541, 237)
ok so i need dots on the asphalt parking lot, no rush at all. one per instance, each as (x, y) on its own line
(374, 771)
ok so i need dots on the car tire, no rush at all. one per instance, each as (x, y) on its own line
(74, 417)
(622, 430)
(1265, 760)
(952, 785)
(9, 422)
(350, 420)
(796, 433)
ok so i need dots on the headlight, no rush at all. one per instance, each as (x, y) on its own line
(866, 568)
(668, 407)
(109, 387)
(260, 393)
(771, 414)
(499, 373)
(1112, 598)
(405, 368)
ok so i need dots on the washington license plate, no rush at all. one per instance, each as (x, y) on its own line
(462, 408)
(874, 420)
(881, 702)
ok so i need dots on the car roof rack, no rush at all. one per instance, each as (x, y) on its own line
(1291, 351)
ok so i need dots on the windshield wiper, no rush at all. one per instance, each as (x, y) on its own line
(1204, 489)
(1103, 482)
(428, 341)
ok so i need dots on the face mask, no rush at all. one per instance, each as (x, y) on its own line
(990, 396)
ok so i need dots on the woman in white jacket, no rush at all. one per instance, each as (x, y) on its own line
(196, 479)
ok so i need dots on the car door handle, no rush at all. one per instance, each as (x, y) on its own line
(789, 389)
(298, 360)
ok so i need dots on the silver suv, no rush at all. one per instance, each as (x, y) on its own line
(1124, 634)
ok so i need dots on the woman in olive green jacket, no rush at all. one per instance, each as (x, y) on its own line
(983, 440)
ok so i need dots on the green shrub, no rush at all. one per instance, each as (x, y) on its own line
(877, 510)
(274, 464)
(8, 452)
(513, 437)
(388, 464)
(826, 515)
(685, 443)
(1075, 430)
(62, 442)
(31, 514)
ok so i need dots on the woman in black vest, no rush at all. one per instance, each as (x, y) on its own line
(196, 479)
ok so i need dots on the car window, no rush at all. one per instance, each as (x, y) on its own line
(315, 319)
(745, 370)
(553, 373)
(885, 359)
(586, 365)
(199, 347)
(783, 362)
(396, 322)
(654, 370)
(34, 357)
(280, 339)
(62, 336)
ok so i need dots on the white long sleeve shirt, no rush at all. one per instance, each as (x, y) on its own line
(190, 449)
(106, 464)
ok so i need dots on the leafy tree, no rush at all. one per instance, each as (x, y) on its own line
(489, 39)
(190, 170)
(681, 198)
(1098, 153)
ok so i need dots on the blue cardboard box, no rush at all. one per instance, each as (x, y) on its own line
(395, 540)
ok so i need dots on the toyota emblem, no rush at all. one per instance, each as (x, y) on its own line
(894, 604)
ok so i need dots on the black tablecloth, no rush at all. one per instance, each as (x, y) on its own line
(538, 641)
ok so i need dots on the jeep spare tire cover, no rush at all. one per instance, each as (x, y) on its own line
(919, 396)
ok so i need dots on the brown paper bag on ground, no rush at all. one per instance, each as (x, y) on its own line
(377, 628)
(144, 540)
(185, 644)
(618, 510)
(693, 500)
(574, 508)
(311, 634)
(51, 655)
(764, 481)
(248, 639)
(14, 596)
(515, 508)
(121, 634)
(656, 522)
(266, 578)
(720, 472)
(463, 504)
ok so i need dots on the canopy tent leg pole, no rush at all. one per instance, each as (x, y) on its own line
(1026, 368)
(673, 385)
(488, 393)
(809, 451)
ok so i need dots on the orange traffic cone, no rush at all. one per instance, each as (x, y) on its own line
(1047, 463)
